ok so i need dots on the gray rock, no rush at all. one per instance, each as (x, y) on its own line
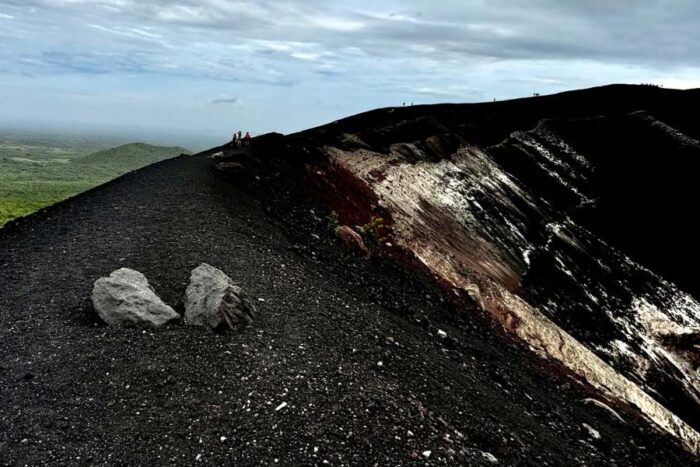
(474, 294)
(592, 432)
(126, 297)
(212, 300)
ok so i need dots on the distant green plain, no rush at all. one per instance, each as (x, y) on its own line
(35, 172)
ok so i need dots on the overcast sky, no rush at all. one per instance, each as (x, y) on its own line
(285, 65)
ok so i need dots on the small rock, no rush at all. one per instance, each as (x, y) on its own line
(351, 239)
(474, 294)
(212, 300)
(442, 333)
(489, 457)
(593, 433)
(427, 454)
(126, 297)
(24, 441)
(281, 406)
(380, 364)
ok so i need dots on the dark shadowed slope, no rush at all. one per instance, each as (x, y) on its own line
(76, 392)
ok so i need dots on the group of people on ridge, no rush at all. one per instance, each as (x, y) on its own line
(240, 140)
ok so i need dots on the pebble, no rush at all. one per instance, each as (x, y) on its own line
(281, 406)
(595, 434)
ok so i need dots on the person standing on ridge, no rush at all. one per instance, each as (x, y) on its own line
(247, 138)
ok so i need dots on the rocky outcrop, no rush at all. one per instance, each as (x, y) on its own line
(476, 227)
(126, 297)
(213, 301)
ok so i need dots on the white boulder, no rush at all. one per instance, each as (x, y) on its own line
(126, 297)
(212, 300)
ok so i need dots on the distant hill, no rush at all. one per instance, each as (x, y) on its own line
(33, 176)
(131, 156)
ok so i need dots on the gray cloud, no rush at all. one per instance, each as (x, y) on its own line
(356, 53)
(653, 32)
(223, 99)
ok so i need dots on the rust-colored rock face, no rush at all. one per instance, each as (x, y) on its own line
(505, 218)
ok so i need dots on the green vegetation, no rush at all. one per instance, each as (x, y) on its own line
(36, 172)
(333, 221)
(374, 233)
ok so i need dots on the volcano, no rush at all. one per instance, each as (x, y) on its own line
(529, 295)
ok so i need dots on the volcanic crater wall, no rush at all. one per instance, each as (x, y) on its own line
(519, 213)
(562, 217)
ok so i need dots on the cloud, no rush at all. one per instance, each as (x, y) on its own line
(85, 62)
(336, 23)
(324, 58)
(657, 32)
(678, 83)
(133, 33)
(223, 99)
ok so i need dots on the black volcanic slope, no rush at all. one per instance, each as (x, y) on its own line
(77, 392)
